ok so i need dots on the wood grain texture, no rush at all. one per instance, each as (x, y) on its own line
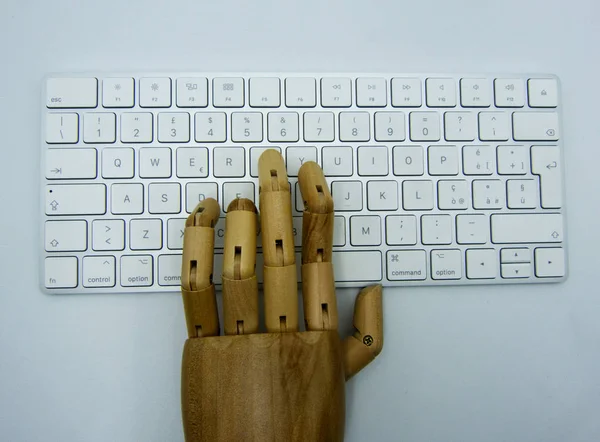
(264, 388)
(240, 306)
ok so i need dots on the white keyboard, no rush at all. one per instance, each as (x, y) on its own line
(437, 179)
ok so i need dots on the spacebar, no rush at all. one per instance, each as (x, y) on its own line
(357, 266)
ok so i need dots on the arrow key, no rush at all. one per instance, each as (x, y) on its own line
(511, 271)
(108, 234)
(549, 262)
(482, 264)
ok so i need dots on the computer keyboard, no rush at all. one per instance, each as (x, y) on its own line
(436, 179)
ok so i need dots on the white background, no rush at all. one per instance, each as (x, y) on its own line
(459, 364)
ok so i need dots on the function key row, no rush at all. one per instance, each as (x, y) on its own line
(301, 92)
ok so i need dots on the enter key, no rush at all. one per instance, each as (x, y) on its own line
(545, 162)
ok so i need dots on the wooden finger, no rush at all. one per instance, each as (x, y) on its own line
(197, 288)
(367, 342)
(280, 274)
(240, 288)
(318, 285)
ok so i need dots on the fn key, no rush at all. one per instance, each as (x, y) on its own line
(61, 272)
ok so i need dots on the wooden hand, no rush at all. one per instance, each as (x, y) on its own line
(283, 385)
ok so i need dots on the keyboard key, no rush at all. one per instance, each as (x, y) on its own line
(210, 127)
(169, 270)
(543, 92)
(390, 126)
(515, 255)
(192, 92)
(98, 271)
(475, 92)
(71, 92)
(513, 160)
(117, 163)
(512, 271)
(63, 236)
(521, 194)
(246, 127)
(365, 230)
(527, 228)
(472, 229)
(228, 92)
(255, 153)
(446, 264)
(127, 198)
(117, 92)
(372, 160)
(493, 126)
(356, 266)
(173, 127)
(482, 263)
(347, 195)
(136, 270)
(441, 92)
(155, 162)
(401, 230)
(229, 162)
(136, 127)
(196, 192)
(175, 232)
(145, 234)
(417, 195)
(546, 162)
(406, 265)
(424, 126)
(355, 126)
(108, 234)
(295, 157)
(549, 262)
(164, 198)
(62, 128)
(436, 229)
(337, 160)
(382, 195)
(408, 160)
(60, 272)
(265, 92)
(443, 160)
(479, 160)
(371, 92)
(155, 92)
(406, 92)
(318, 126)
(99, 127)
(336, 92)
(535, 126)
(300, 92)
(453, 195)
(339, 231)
(460, 126)
(76, 199)
(509, 92)
(283, 127)
(233, 191)
(192, 162)
(488, 194)
(70, 164)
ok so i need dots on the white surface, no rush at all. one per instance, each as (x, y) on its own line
(514, 363)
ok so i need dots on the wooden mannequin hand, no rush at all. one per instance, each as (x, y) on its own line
(283, 385)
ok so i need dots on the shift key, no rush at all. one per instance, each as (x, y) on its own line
(527, 228)
(76, 199)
